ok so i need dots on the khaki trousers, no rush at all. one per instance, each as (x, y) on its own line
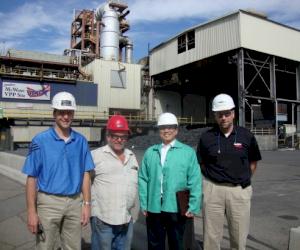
(60, 218)
(222, 200)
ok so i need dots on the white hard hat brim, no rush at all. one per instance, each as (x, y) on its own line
(64, 108)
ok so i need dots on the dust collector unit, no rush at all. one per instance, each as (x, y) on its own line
(110, 32)
(111, 36)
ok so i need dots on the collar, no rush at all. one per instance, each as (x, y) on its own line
(174, 144)
(217, 131)
(55, 135)
(171, 144)
(108, 149)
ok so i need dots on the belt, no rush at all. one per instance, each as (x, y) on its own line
(60, 195)
(229, 184)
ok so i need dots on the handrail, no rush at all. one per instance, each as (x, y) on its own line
(41, 114)
(263, 131)
(38, 72)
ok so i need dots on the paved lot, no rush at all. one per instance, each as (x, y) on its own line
(275, 207)
(13, 231)
(276, 200)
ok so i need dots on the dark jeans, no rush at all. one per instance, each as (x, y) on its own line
(161, 224)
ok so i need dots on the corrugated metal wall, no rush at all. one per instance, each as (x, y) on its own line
(110, 97)
(237, 30)
(270, 38)
(167, 101)
(210, 39)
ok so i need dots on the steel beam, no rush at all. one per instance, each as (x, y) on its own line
(258, 70)
(151, 103)
(272, 78)
(241, 87)
(298, 96)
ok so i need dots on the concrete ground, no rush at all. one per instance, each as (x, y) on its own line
(275, 205)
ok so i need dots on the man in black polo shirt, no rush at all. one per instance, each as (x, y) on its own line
(228, 156)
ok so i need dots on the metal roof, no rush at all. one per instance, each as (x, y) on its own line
(240, 29)
(251, 13)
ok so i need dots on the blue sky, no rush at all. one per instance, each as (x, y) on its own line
(42, 25)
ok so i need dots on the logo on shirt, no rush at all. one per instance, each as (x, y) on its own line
(238, 145)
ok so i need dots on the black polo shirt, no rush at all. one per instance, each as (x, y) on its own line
(227, 159)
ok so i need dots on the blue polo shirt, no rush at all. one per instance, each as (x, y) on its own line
(59, 166)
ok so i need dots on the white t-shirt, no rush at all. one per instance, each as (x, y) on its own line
(163, 155)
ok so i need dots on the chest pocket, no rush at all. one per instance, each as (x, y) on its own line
(133, 174)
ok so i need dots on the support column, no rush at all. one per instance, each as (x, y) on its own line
(298, 96)
(272, 78)
(273, 95)
(276, 124)
(151, 103)
(293, 123)
(241, 87)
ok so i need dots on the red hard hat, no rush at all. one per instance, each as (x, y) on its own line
(117, 123)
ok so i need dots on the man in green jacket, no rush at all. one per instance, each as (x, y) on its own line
(167, 168)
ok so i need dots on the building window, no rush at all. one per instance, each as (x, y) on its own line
(118, 79)
(186, 40)
(191, 39)
(181, 43)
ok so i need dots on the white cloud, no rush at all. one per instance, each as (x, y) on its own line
(26, 18)
(157, 10)
(45, 25)
(35, 22)
(59, 44)
(31, 17)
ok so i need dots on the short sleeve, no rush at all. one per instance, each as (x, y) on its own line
(88, 160)
(254, 152)
(33, 162)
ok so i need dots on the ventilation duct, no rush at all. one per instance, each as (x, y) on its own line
(128, 48)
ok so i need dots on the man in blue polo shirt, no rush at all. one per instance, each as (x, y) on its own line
(57, 166)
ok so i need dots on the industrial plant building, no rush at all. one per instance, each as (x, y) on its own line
(97, 70)
(244, 54)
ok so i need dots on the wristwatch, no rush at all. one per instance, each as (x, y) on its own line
(86, 203)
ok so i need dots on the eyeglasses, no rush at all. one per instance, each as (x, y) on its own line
(162, 127)
(117, 137)
(223, 113)
(65, 112)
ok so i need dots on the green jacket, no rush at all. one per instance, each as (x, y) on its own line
(180, 171)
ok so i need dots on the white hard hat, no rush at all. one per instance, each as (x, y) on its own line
(167, 119)
(64, 101)
(222, 102)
